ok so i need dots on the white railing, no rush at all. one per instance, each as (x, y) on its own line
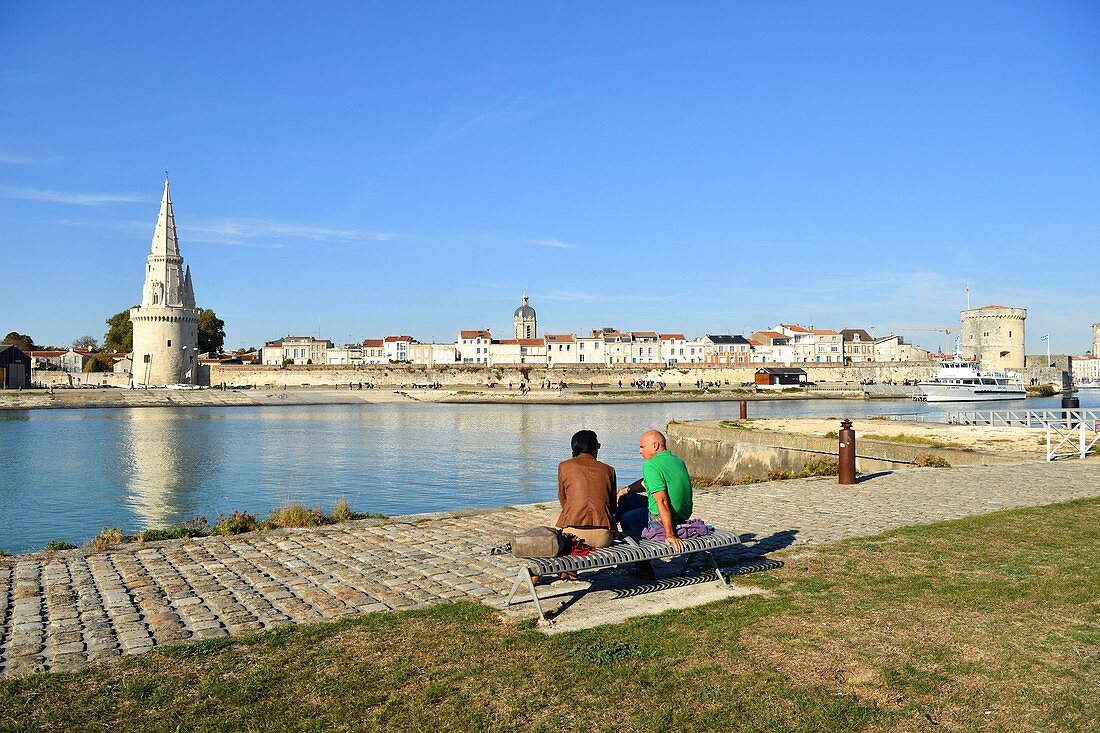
(891, 390)
(1070, 432)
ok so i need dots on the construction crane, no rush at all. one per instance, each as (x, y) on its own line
(929, 329)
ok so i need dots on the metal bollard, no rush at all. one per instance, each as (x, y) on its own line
(744, 410)
(847, 457)
(1069, 405)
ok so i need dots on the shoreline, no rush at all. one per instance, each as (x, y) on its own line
(126, 398)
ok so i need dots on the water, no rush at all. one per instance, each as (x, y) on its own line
(67, 474)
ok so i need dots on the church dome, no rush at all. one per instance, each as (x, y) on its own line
(525, 311)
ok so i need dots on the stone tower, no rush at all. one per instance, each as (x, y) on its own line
(995, 334)
(526, 325)
(166, 324)
(1096, 339)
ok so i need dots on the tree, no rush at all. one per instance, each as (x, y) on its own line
(99, 363)
(86, 342)
(211, 332)
(120, 333)
(22, 340)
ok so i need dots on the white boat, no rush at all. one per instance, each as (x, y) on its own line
(1087, 385)
(963, 381)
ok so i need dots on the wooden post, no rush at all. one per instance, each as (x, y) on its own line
(847, 457)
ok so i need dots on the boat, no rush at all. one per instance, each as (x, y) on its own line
(959, 380)
(1087, 385)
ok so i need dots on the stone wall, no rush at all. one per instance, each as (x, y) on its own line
(578, 377)
(723, 455)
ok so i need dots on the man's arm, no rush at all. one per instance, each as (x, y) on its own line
(664, 510)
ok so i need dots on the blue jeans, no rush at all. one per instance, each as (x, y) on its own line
(633, 515)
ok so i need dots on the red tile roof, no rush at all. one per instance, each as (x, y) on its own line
(373, 343)
(670, 336)
(564, 338)
(391, 339)
(826, 332)
(795, 327)
(475, 333)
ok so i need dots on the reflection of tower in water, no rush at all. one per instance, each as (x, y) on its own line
(163, 463)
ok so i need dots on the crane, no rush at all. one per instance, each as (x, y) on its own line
(947, 331)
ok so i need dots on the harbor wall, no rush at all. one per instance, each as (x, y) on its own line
(577, 377)
(723, 454)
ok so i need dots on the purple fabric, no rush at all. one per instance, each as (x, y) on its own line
(687, 530)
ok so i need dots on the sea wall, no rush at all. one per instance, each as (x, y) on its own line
(459, 375)
(723, 455)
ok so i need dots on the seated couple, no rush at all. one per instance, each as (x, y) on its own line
(592, 504)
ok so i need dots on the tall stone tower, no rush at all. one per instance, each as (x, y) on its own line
(166, 324)
(995, 334)
(526, 326)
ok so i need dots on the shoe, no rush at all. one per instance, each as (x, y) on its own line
(568, 575)
(643, 570)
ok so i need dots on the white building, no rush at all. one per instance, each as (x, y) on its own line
(590, 350)
(397, 348)
(561, 350)
(472, 346)
(828, 346)
(166, 324)
(677, 349)
(374, 351)
(509, 352)
(772, 347)
(1086, 369)
(801, 340)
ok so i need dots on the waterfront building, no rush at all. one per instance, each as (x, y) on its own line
(73, 360)
(616, 345)
(561, 349)
(347, 355)
(590, 350)
(397, 348)
(994, 335)
(772, 347)
(46, 359)
(431, 355)
(644, 347)
(1096, 339)
(859, 346)
(677, 349)
(828, 346)
(726, 349)
(1086, 369)
(472, 346)
(895, 348)
(15, 367)
(510, 352)
(801, 340)
(295, 350)
(525, 323)
(374, 351)
(166, 324)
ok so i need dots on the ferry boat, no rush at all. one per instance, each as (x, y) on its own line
(962, 381)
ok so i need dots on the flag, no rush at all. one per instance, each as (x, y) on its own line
(1045, 337)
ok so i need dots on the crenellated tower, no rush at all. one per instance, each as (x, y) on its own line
(995, 334)
(166, 324)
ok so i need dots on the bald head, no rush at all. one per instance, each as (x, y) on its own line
(651, 443)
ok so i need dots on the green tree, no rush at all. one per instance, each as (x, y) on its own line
(22, 340)
(211, 332)
(120, 333)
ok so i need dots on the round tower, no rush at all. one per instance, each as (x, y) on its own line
(526, 325)
(166, 324)
(995, 335)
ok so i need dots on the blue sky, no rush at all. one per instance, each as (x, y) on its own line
(358, 169)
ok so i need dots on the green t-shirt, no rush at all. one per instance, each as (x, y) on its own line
(666, 472)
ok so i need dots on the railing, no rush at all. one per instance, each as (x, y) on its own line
(1070, 432)
(891, 390)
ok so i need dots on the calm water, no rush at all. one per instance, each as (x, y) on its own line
(67, 474)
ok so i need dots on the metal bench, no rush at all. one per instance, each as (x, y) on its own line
(623, 551)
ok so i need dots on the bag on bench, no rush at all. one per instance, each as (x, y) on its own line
(540, 542)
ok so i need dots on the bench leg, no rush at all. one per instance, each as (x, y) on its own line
(524, 577)
(717, 570)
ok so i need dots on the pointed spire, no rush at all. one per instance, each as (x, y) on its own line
(525, 296)
(165, 242)
(188, 290)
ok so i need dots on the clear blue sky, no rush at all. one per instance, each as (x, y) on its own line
(355, 169)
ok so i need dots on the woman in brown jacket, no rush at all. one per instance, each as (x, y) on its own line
(586, 492)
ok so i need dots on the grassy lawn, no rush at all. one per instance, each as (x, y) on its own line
(985, 624)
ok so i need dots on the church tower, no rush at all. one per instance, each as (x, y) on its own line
(166, 324)
(525, 322)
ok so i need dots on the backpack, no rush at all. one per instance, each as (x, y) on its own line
(540, 542)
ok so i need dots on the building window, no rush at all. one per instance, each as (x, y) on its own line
(169, 343)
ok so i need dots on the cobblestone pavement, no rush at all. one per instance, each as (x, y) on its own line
(62, 611)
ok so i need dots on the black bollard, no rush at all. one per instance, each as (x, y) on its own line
(744, 410)
(846, 460)
(1068, 404)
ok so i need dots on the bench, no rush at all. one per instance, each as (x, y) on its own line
(623, 551)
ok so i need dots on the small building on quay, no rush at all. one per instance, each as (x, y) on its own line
(15, 367)
(779, 377)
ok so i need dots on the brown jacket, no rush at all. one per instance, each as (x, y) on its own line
(586, 491)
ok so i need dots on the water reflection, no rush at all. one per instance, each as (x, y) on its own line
(69, 473)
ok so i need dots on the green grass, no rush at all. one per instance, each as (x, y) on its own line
(923, 628)
(915, 440)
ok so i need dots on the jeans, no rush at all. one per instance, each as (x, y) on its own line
(633, 514)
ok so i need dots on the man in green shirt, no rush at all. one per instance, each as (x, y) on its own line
(665, 479)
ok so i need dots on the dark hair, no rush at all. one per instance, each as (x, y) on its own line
(584, 441)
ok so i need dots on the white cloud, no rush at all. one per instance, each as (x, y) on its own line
(68, 197)
(555, 243)
(244, 232)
